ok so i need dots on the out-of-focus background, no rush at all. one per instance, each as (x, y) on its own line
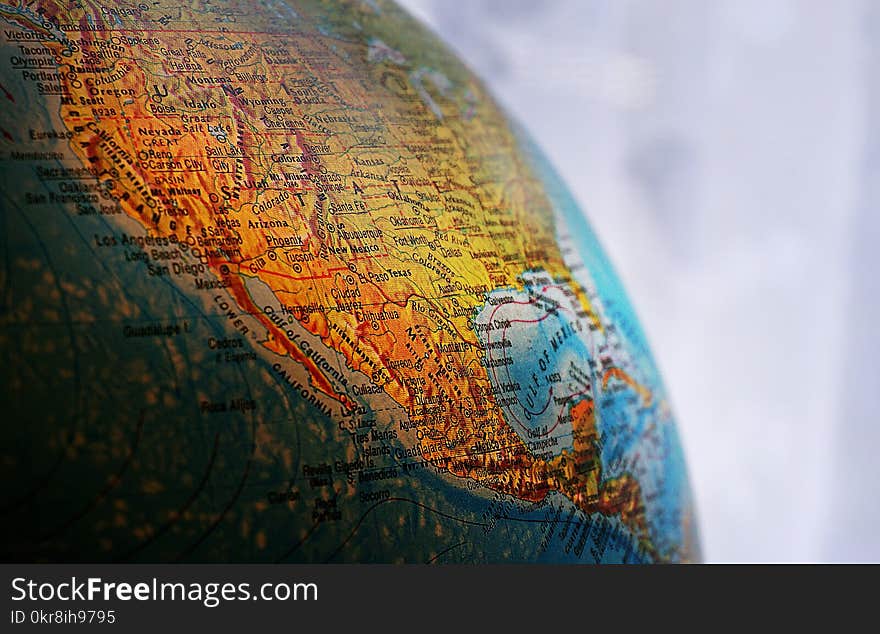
(728, 155)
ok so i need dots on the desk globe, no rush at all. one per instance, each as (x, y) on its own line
(283, 283)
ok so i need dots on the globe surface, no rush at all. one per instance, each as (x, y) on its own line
(281, 282)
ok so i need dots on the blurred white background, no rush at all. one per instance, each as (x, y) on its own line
(727, 154)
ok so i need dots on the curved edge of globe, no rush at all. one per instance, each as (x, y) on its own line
(610, 286)
(603, 274)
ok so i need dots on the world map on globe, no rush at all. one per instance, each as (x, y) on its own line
(282, 282)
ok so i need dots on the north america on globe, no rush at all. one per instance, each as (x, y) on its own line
(282, 282)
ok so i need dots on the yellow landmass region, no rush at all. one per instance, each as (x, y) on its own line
(370, 183)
